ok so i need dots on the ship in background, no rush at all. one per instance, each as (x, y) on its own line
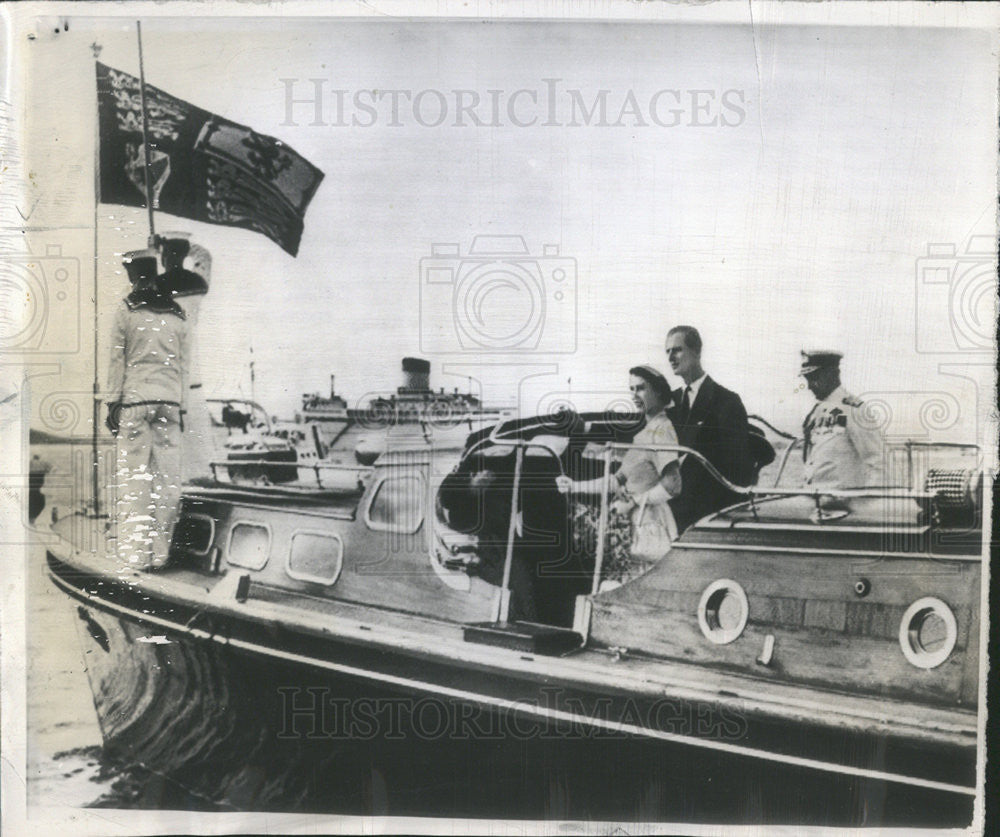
(328, 433)
(413, 410)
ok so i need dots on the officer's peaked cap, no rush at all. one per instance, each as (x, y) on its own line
(816, 359)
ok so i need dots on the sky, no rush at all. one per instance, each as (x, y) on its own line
(781, 194)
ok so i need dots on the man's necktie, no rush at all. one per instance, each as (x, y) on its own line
(686, 405)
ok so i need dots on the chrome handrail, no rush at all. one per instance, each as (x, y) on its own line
(820, 496)
(516, 443)
(314, 467)
(785, 457)
(274, 463)
(771, 427)
(910, 444)
(916, 443)
(803, 491)
(745, 490)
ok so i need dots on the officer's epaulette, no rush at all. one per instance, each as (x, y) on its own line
(851, 401)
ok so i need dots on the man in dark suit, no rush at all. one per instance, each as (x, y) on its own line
(711, 420)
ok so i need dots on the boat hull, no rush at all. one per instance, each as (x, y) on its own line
(256, 715)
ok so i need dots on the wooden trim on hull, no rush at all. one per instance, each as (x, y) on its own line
(805, 550)
(515, 682)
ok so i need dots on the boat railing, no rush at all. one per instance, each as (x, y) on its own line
(750, 491)
(912, 445)
(317, 469)
(796, 442)
(820, 494)
(756, 419)
(909, 447)
(829, 502)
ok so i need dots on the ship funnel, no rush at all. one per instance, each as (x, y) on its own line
(416, 375)
(333, 387)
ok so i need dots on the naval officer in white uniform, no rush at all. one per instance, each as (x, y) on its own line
(841, 449)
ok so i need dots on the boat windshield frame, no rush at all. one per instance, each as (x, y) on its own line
(909, 445)
(748, 491)
(317, 467)
(820, 496)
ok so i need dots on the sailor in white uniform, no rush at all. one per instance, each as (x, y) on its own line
(146, 397)
(841, 449)
(188, 288)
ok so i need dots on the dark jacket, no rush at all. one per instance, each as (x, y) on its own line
(717, 428)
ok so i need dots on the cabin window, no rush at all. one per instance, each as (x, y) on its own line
(193, 535)
(249, 545)
(397, 504)
(316, 557)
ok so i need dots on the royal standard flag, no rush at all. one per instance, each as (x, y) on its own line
(202, 166)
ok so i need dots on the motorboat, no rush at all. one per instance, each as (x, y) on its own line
(800, 656)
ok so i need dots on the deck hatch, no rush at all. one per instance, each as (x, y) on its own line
(315, 556)
(249, 545)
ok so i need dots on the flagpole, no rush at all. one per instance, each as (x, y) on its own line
(145, 129)
(253, 381)
(96, 414)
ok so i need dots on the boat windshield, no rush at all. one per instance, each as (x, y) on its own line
(614, 543)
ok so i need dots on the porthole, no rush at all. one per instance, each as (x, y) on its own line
(723, 611)
(928, 632)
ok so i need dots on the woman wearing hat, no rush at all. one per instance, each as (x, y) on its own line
(647, 479)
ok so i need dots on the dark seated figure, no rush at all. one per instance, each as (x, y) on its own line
(235, 419)
(545, 574)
